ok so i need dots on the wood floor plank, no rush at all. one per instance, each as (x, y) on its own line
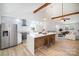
(60, 48)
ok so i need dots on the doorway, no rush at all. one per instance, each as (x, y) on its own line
(24, 37)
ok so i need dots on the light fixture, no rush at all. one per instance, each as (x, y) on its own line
(44, 19)
(63, 18)
(18, 21)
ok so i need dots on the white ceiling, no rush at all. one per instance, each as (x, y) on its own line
(25, 10)
(18, 9)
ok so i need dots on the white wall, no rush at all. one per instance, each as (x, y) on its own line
(18, 11)
(22, 11)
(0, 12)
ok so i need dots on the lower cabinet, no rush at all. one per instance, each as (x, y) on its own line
(39, 42)
(44, 41)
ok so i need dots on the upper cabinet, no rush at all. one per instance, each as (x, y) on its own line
(70, 7)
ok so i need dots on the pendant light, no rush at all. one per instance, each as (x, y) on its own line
(63, 18)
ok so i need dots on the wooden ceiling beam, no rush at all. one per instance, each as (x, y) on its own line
(41, 7)
(69, 14)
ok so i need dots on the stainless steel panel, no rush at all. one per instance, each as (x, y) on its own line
(13, 35)
(0, 35)
(4, 39)
(8, 35)
(5, 42)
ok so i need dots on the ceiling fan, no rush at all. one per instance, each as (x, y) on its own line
(63, 18)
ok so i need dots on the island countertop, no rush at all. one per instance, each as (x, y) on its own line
(32, 42)
(35, 35)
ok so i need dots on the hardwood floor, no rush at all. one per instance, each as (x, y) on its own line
(19, 50)
(61, 48)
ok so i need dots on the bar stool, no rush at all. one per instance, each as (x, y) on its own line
(46, 41)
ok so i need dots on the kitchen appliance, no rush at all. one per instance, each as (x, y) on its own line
(8, 35)
(24, 35)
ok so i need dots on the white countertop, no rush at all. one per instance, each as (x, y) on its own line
(35, 35)
(30, 40)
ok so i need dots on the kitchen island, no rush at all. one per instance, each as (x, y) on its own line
(35, 41)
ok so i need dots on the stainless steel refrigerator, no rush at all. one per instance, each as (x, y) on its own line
(8, 35)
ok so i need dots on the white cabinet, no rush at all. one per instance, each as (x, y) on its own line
(19, 35)
(70, 36)
(30, 43)
(73, 28)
